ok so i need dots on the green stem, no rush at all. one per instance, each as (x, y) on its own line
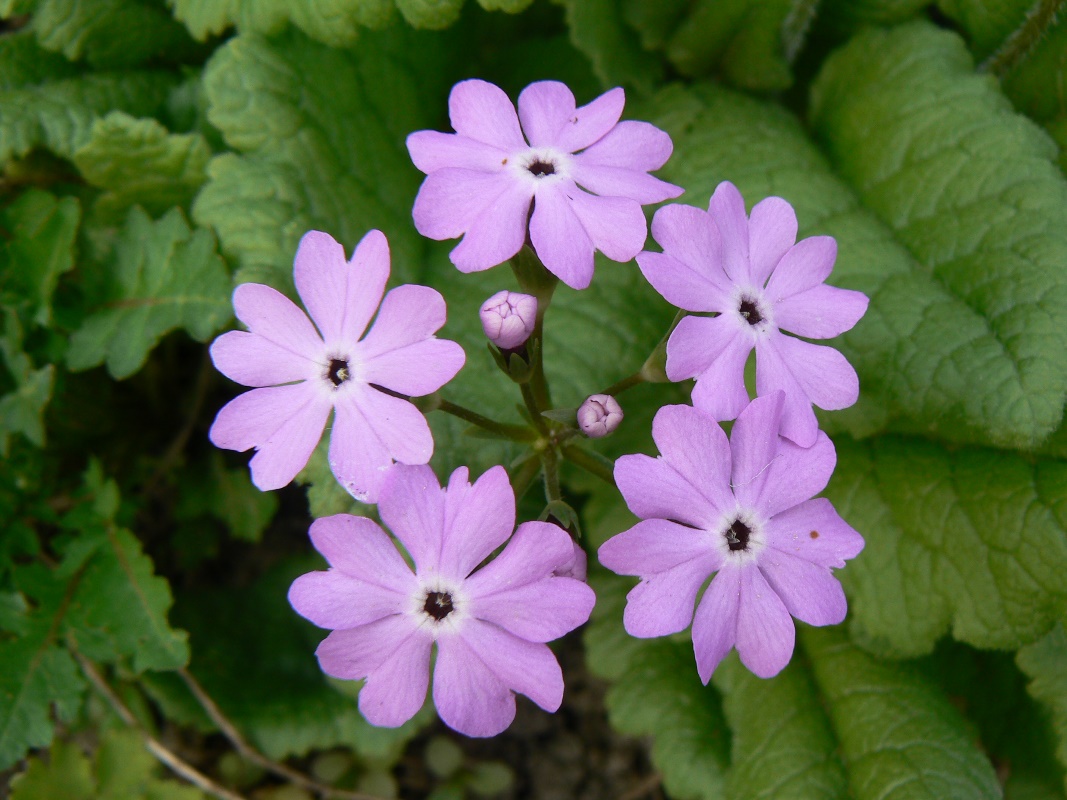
(517, 433)
(530, 400)
(550, 464)
(592, 462)
(1024, 39)
(619, 387)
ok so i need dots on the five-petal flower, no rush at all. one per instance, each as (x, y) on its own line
(584, 172)
(740, 508)
(302, 373)
(489, 624)
(760, 281)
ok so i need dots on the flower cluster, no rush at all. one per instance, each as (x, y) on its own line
(557, 182)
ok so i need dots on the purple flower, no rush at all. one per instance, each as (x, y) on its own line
(482, 179)
(599, 415)
(308, 372)
(489, 624)
(508, 318)
(760, 281)
(739, 508)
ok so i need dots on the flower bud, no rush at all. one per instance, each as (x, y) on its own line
(508, 318)
(599, 415)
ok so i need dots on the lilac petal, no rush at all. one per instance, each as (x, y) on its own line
(528, 668)
(287, 449)
(809, 591)
(408, 314)
(773, 375)
(795, 474)
(622, 182)
(821, 312)
(252, 417)
(335, 601)
(697, 448)
(478, 519)
(690, 236)
(833, 541)
(807, 264)
(823, 373)
(371, 430)
(412, 506)
(481, 111)
(368, 272)
(679, 284)
(433, 150)
(662, 603)
(497, 233)
(715, 351)
(715, 622)
(358, 548)
(535, 551)
(772, 230)
(276, 318)
(251, 360)
(765, 631)
(727, 209)
(451, 200)
(655, 545)
(417, 369)
(560, 239)
(592, 121)
(616, 225)
(469, 697)
(394, 657)
(754, 444)
(544, 108)
(634, 145)
(537, 612)
(320, 271)
(653, 489)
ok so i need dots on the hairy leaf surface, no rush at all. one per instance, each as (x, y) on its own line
(1045, 663)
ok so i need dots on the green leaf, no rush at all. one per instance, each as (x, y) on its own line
(38, 230)
(24, 62)
(229, 496)
(137, 161)
(1045, 663)
(969, 187)
(22, 409)
(900, 737)
(165, 277)
(847, 15)
(66, 774)
(110, 33)
(320, 134)
(58, 114)
(597, 29)
(36, 674)
(657, 692)
(14, 8)
(119, 606)
(335, 22)
(431, 14)
(987, 23)
(782, 745)
(971, 541)
(1036, 85)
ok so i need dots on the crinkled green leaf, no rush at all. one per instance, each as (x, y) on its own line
(335, 22)
(165, 277)
(598, 29)
(58, 114)
(781, 743)
(972, 541)
(987, 23)
(658, 693)
(846, 15)
(24, 62)
(1045, 663)
(320, 134)
(900, 737)
(35, 673)
(270, 686)
(969, 187)
(22, 408)
(1037, 86)
(37, 232)
(66, 774)
(432, 14)
(119, 606)
(110, 33)
(14, 8)
(229, 496)
(138, 161)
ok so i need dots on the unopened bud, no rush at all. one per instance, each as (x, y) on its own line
(599, 415)
(508, 318)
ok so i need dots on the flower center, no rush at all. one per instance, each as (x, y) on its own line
(438, 605)
(540, 168)
(737, 535)
(338, 372)
(749, 311)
